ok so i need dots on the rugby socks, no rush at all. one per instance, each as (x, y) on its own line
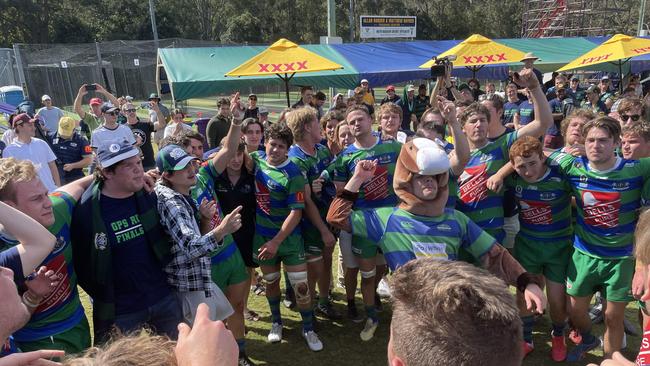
(558, 330)
(307, 320)
(528, 322)
(323, 300)
(241, 344)
(371, 312)
(587, 337)
(274, 304)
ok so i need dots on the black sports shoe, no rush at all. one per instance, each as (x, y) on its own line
(327, 311)
(353, 314)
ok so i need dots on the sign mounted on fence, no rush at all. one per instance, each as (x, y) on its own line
(388, 26)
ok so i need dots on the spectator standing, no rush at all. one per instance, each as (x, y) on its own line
(391, 96)
(110, 130)
(252, 110)
(92, 119)
(408, 108)
(49, 115)
(421, 104)
(155, 117)
(218, 125)
(26, 147)
(142, 131)
(306, 95)
(73, 152)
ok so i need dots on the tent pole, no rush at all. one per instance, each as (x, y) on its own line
(286, 88)
(620, 75)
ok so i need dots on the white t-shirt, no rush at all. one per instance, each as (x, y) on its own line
(169, 129)
(8, 136)
(39, 153)
(120, 133)
(50, 118)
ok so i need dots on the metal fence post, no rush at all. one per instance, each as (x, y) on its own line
(21, 72)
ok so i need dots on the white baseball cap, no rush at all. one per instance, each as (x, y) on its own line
(45, 97)
(363, 81)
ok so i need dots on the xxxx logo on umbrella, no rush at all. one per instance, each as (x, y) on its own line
(481, 59)
(283, 67)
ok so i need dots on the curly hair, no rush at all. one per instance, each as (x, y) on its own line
(14, 171)
(279, 131)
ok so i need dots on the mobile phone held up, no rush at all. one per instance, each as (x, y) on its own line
(91, 87)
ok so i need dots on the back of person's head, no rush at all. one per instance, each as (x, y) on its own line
(453, 313)
(138, 349)
(298, 119)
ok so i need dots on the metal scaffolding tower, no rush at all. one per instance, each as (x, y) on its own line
(570, 18)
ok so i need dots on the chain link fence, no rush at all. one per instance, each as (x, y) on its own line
(122, 67)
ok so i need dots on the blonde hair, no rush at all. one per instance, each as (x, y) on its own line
(297, 119)
(137, 349)
(390, 108)
(14, 171)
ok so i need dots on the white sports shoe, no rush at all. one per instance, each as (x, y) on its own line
(383, 289)
(312, 341)
(369, 330)
(275, 334)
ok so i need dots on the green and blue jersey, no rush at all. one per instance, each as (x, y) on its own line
(403, 236)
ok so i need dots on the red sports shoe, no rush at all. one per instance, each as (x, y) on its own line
(558, 348)
(527, 348)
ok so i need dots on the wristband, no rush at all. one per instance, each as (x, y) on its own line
(526, 279)
(347, 195)
(29, 301)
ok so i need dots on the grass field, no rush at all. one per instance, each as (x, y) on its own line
(343, 347)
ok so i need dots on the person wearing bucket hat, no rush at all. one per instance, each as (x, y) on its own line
(73, 152)
(121, 248)
(421, 183)
(528, 60)
(189, 271)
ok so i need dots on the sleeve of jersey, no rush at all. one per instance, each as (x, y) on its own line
(62, 205)
(507, 142)
(561, 160)
(367, 224)
(296, 194)
(10, 258)
(340, 169)
(644, 164)
(475, 241)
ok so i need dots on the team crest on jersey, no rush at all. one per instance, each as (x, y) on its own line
(485, 158)
(472, 184)
(406, 224)
(578, 164)
(60, 243)
(518, 190)
(601, 208)
(583, 179)
(101, 241)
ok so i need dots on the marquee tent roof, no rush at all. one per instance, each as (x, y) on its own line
(200, 72)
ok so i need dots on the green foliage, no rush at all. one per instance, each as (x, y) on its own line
(257, 22)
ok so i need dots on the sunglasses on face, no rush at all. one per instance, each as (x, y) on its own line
(130, 110)
(633, 117)
(111, 113)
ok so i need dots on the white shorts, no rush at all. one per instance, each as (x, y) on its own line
(349, 259)
(220, 308)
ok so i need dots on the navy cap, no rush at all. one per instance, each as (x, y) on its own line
(113, 151)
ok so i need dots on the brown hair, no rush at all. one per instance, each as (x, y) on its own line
(251, 121)
(612, 126)
(137, 349)
(627, 104)
(222, 101)
(496, 100)
(331, 115)
(297, 119)
(640, 128)
(14, 171)
(585, 114)
(453, 313)
(279, 131)
(390, 108)
(357, 107)
(526, 146)
(472, 109)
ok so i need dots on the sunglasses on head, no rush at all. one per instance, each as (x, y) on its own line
(633, 117)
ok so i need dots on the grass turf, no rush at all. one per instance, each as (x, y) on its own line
(342, 345)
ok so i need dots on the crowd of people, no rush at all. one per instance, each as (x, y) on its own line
(448, 194)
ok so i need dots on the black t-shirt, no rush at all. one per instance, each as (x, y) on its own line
(2, 148)
(144, 130)
(140, 281)
(251, 113)
(243, 193)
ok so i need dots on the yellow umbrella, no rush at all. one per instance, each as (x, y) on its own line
(478, 51)
(617, 50)
(284, 59)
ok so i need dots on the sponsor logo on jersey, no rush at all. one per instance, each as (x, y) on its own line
(377, 188)
(485, 158)
(621, 186)
(406, 224)
(601, 208)
(472, 184)
(535, 213)
(430, 250)
(262, 198)
(63, 290)
(547, 196)
(443, 227)
(384, 159)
